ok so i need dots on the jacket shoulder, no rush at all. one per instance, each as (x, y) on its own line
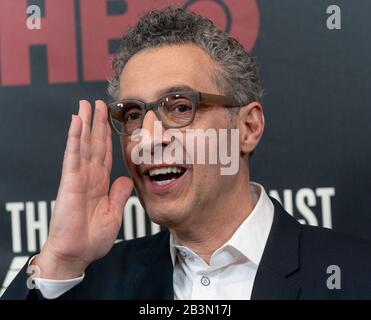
(115, 275)
(329, 257)
(323, 241)
(127, 250)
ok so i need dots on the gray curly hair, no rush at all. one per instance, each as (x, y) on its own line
(235, 71)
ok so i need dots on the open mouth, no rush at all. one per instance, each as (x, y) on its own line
(165, 175)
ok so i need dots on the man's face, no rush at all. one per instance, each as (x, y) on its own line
(146, 77)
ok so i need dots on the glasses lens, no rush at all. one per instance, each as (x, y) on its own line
(176, 110)
(126, 117)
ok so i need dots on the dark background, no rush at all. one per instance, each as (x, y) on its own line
(317, 109)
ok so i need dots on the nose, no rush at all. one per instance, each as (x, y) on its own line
(153, 125)
(149, 121)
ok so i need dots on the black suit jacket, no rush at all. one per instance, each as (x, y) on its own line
(293, 266)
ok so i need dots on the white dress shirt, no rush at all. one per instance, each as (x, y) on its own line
(232, 268)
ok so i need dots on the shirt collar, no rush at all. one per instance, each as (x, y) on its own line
(251, 236)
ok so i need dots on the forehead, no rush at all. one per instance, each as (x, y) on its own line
(151, 71)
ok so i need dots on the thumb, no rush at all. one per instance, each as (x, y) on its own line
(119, 194)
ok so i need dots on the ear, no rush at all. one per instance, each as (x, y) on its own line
(251, 126)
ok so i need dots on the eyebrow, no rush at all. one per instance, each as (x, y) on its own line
(175, 88)
(171, 89)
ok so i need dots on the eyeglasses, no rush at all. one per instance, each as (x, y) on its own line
(175, 110)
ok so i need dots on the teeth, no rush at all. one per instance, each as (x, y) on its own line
(161, 183)
(157, 171)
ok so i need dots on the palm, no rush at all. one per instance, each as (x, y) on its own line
(87, 217)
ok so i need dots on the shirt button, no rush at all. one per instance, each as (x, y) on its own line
(205, 281)
(183, 253)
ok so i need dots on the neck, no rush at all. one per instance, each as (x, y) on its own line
(207, 234)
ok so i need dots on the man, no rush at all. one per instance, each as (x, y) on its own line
(224, 238)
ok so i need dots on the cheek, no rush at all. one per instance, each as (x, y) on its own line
(205, 175)
(211, 117)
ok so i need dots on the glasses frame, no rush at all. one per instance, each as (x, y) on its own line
(195, 97)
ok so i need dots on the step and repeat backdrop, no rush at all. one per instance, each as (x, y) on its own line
(315, 65)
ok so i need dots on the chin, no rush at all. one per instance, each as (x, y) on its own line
(165, 215)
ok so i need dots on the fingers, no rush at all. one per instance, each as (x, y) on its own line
(71, 161)
(85, 115)
(83, 143)
(120, 192)
(98, 138)
(107, 163)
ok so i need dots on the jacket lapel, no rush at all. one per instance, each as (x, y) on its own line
(280, 260)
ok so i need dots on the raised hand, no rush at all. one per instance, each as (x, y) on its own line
(87, 215)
